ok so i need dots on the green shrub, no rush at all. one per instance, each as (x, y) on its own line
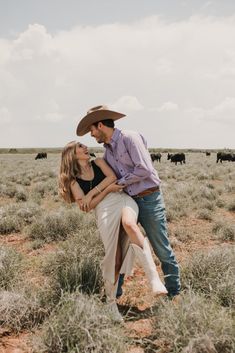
(205, 214)
(77, 263)
(58, 225)
(24, 307)
(15, 216)
(211, 274)
(10, 267)
(231, 206)
(224, 230)
(21, 195)
(80, 324)
(194, 322)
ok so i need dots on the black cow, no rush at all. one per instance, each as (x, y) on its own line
(223, 156)
(156, 157)
(41, 155)
(177, 157)
(208, 153)
(92, 154)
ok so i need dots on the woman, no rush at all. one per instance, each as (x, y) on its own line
(92, 186)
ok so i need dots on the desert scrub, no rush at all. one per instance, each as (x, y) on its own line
(25, 308)
(10, 267)
(231, 206)
(80, 324)
(77, 263)
(211, 274)
(224, 230)
(15, 216)
(182, 234)
(59, 225)
(178, 204)
(8, 190)
(21, 195)
(45, 188)
(194, 322)
(205, 214)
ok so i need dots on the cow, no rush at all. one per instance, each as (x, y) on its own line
(223, 156)
(208, 153)
(41, 155)
(177, 157)
(156, 157)
(92, 154)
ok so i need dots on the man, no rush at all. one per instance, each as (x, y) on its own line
(126, 152)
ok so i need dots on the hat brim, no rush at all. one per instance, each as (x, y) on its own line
(93, 117)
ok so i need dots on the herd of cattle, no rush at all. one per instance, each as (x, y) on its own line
(180, 157)
(43, 155)
(175, 158)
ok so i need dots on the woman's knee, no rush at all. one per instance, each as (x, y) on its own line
(129, 225)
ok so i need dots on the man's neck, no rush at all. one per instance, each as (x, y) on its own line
(109, 135)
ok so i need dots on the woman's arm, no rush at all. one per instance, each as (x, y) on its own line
(110, 177)
(110, 188)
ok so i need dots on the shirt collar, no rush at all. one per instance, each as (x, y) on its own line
(114, 139)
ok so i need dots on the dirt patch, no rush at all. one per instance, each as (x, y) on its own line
(15, 344)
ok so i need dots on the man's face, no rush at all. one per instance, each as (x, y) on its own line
(98, 134)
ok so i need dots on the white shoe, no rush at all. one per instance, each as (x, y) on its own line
(146, 260)
(115, 314)
(110, 290)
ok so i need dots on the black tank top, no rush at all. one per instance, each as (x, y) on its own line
(87, 185)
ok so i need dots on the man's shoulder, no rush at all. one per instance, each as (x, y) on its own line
(129, 134)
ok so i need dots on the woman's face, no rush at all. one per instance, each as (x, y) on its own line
(82, 152)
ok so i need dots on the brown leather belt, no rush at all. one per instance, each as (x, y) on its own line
(147, 192)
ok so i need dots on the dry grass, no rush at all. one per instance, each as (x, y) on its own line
(200, 210)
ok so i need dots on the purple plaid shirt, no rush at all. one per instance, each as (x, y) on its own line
(128, 156)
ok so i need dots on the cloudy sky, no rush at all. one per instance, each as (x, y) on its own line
(168, 64)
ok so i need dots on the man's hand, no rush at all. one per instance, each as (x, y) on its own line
(115, 187)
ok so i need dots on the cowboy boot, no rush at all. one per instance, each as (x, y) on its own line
(110, 291)
(146, 260)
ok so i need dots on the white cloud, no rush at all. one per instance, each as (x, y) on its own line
(184, 68)
(167, 107)
(127, 103)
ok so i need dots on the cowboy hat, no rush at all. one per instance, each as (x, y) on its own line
(99, 113)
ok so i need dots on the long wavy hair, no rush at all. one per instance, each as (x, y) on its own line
(69, 170)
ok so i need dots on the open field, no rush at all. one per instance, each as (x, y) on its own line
(51, 289)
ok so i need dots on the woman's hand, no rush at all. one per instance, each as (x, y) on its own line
(114, 187)
(85, 203)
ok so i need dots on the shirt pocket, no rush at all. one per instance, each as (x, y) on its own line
(124, 156)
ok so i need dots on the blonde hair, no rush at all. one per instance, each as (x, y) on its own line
(69, 170)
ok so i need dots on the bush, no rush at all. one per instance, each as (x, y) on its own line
(58, 225)
(224, 231)
(10, 267)
(194, 322)
(15, 216)
(26, 307)
(205, 214)
(231, 206)
(211, 274)
(77, 264)
(80, 324)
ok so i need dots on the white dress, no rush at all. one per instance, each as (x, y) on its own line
(108, 216)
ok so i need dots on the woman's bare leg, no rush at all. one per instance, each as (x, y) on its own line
(142, 251)
(131, 227)
(118, 262)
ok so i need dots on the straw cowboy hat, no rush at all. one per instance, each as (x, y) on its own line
(99, 113)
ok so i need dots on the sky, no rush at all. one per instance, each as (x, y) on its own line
(169, 65)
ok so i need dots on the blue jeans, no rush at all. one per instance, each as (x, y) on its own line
(153, 219)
